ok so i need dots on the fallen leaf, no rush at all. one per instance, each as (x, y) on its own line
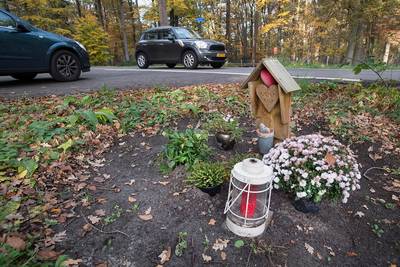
(223, 255)
(145, 217)
(375, 156)
(163, 183)
(372, 190)
(131, 199)
(93, 219)
(319, 256)
(72, 262)
(365, 207)
(309, 248)
(100, 212)
(16, 242)
(220, 244)
(131, 182)
(47, 254)
(330, 159)
(359, 214)
(148, 211)
(212, 221)
(395, 198)
(99, 179)
(206, 258)
(87, 227)
(351, 254)
(165, 255)
(59, 237)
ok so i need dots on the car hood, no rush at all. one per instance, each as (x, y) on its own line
(54, 36)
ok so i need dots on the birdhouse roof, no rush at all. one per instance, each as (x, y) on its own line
(278, 71)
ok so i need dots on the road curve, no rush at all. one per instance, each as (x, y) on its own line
(132, 78)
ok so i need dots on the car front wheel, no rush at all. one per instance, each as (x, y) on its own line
(142, 61)
(190, 60)
(24, 76)
(65, 66)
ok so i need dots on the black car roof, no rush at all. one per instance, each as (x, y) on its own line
(163, 28)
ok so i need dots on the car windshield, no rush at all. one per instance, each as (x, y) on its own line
(182, 33)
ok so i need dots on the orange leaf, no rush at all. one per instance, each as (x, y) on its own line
(351, 254)
(48, 254)
(16, 242)
(330, 159)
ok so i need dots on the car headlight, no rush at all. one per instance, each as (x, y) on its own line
(80, 45)
(201, 44)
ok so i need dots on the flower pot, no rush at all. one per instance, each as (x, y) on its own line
(225, 141)
(265, 141)
(305, 205)
(212, 191)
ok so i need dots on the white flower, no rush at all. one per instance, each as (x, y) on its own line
(301, 194)
(276, 180)
(305, 175)
(303, 183)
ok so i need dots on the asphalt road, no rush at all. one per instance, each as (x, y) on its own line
(131, 78)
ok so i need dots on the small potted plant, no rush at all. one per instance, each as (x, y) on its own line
(226, 130)
(312, 168)
(208, 177)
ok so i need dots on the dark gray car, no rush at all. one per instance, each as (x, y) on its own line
(173, 45)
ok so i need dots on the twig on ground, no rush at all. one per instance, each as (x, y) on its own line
(248, 258)
(104, 232)
(372, 168)
(31, 258)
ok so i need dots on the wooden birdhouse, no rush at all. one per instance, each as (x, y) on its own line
(271, 87)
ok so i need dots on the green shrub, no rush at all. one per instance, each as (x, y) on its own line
(185, 148)
(205, 174)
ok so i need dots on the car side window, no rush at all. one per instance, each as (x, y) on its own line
(163, 35)
(151, 36)
(7, 22)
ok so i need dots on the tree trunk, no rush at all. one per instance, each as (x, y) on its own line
(228, 25)
(138, 18)
(99, 12)
(255, 36)
(78, 8)
(387, 51)
(123, 30)
(131, 10)
(162, 5)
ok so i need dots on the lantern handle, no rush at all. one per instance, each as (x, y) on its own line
(227, 206)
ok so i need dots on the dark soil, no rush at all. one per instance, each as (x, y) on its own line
(337, 235)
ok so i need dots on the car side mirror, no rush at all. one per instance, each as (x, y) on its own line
(21, 27)
(171, 37)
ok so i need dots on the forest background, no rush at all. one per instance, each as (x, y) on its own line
(299, 32)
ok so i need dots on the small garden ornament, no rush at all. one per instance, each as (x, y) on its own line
(265, 138)
(312, 168)
(226, 130)
(249, 196)
(271, 88)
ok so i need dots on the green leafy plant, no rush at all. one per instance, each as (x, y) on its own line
(376, 66)
(205, 174)
(239, 243)
(185, 148)
(217, 123)
(117, 211)
(182, 244)
(377, 230)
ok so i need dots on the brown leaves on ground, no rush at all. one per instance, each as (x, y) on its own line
(15, 242)
(165, 255)
(146, 216)
(47, 254)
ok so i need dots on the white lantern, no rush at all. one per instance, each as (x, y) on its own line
(249, 198)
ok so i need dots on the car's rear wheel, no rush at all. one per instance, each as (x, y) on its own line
(24, 76)
(171, 65)
(217, 65)
(190, 60)
(142, 61)
(65, 66)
